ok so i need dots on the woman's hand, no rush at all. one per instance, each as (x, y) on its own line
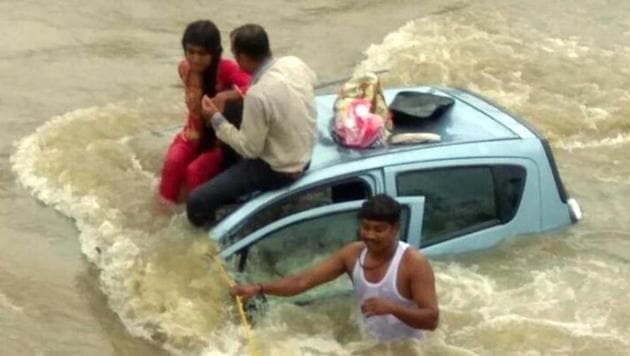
(191, 134)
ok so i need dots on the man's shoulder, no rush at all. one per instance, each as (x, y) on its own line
(414, 261)
(351, 251)
(354, 246)
(256, 91)
(414, 255)
(295, 67)
(290, 60)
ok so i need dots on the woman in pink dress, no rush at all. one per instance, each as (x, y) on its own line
(195, 156)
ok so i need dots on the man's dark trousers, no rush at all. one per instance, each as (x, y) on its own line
(246, 176)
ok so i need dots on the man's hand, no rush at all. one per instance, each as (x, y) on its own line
(208, 108)
(376, 306)
(245, 291)
(238, 91)
(219, 100)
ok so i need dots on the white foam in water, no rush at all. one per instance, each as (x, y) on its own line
(7, 303)
(618, 140)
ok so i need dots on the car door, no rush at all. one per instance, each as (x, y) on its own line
(320, 193)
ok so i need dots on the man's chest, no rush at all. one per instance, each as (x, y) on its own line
(378, 274)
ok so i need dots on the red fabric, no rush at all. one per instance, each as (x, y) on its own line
(203, 168)
(183, 163)
(230, 74)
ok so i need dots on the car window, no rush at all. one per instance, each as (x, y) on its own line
(509, 181)
(326, 194)
(461, 200)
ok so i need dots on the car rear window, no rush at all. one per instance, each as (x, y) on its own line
(463, 199)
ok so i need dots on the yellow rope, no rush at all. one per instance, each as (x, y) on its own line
(247, 329)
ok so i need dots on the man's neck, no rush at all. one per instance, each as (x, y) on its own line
(260, 68)
(384, 255)
(260, 64)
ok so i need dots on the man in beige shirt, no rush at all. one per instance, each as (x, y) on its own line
(278, 129)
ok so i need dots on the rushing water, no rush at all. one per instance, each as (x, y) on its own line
(91, 266)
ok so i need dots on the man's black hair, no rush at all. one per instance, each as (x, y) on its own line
(381, 207)
(252, 41)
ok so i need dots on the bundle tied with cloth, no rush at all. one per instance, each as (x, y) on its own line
(363, 120)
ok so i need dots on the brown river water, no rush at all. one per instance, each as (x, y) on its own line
(87, 87)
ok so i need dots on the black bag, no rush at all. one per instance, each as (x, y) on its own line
(411, 109)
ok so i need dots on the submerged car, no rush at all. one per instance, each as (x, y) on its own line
(490, 177)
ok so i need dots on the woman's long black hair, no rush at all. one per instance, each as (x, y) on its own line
(205, 34)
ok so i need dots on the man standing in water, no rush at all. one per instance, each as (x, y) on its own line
(393, 282)
(277, 133)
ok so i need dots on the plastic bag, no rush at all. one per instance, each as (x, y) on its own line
(362, 118)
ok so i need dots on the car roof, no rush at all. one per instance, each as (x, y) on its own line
(471, 119)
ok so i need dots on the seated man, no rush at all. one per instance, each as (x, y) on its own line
(393, 282)
(277, 132)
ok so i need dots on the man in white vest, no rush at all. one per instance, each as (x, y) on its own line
(393, 282)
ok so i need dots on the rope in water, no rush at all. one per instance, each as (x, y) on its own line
(247, 329)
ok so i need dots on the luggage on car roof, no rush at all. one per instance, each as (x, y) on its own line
(411, 108)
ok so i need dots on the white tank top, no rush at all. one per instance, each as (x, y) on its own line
(383, 327)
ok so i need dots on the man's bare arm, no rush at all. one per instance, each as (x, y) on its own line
(422, 287)
(329, 269)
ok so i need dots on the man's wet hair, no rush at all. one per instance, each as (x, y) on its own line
(252, 41)
(381, 207)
